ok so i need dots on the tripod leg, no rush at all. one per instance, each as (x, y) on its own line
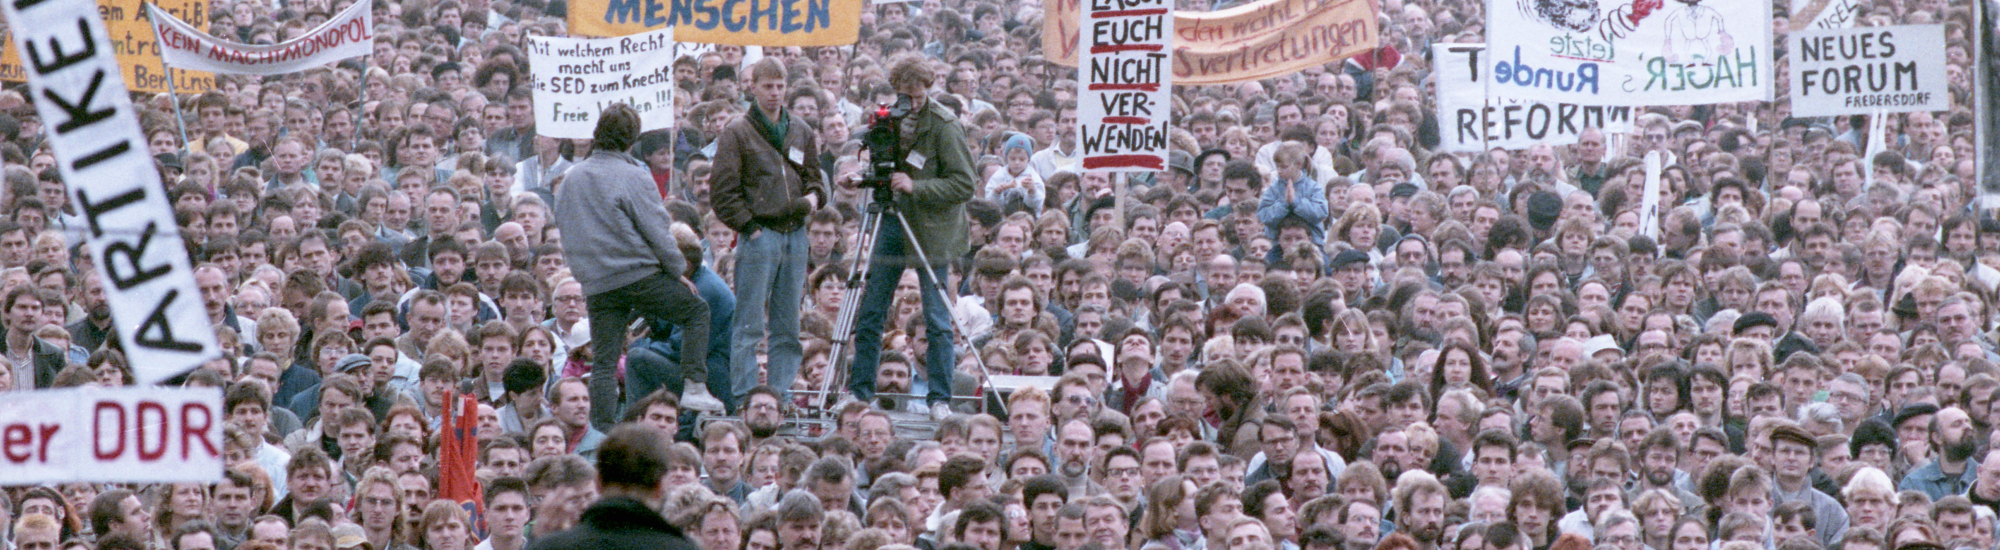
(951, 303)
(850, 302)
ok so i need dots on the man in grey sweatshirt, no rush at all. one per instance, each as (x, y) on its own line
(616, 239)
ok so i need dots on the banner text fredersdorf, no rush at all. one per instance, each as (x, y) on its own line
(131, 33)
(128, 221)
(730, 22)
(351, 33)
(1250, 42)
(1866, 70)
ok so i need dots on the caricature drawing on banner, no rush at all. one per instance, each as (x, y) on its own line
(1631, 52)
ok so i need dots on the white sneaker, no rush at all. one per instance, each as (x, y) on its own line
(940, 411)
(696, 397)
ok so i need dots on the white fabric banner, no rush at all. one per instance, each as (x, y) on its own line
(575, 78)
(135, 434)
(351, 33)
(1868, 70)
(1630, 52)
(74, 75)
(1468, 121)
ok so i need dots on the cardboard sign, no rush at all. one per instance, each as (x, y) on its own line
(731, 22)
(1251, 42)
(575, 78)
(132, 40)
(1868, 70)
(1468, 121)
(1123, 110)
(1630, 52)
(135, 434)
(100, 151)
(351, 33)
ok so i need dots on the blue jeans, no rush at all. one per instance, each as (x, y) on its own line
(660, 298)
(770, 287)
(894, 253)
(647, 365)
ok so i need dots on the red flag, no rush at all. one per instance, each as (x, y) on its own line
(458, 454)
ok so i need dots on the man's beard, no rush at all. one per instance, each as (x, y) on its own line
(1390, 469)
(1427, 534)
(1959, 451)
(1659, 477)
(762, 430)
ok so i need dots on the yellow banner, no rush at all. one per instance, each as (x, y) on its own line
(138, 52)
(1249, 42)
(729, 22)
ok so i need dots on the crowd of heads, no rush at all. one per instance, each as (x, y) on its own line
(1315, 330)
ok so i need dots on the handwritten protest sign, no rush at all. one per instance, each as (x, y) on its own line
(731, 22)
(1824, 14)
(94, 132)
(351, 33)
(575, 78)
(1468, 121)
(1630, 52)
(1122, 113)
(133, 42)
(1867, 70)
(135, 434)
(1250, 42)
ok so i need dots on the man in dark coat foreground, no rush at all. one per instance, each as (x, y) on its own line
(629, 467)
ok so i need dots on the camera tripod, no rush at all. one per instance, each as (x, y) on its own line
(882, 205)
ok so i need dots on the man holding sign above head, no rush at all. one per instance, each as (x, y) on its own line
(764, 185)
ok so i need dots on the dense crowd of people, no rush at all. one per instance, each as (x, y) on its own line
(1315, 331)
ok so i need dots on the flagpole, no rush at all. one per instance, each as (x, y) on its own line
(180, 118)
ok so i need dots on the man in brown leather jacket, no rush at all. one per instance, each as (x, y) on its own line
(765, 183)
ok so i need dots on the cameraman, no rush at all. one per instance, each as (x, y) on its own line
(931, 185)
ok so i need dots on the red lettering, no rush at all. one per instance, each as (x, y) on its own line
(155, 410)
(196, 420)
(97, 428)
(17, 443)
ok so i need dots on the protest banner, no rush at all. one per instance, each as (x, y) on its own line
(1824, 14)
(1867, 70)
(132, 40)
(575, 78)
(729, 22)
(351, 33)
(1123, 111)
(1468, 121)
(134, 241)
(1630, 52)
(133, 434)
(1250, 42)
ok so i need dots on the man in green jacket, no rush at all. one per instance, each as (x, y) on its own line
(930, 188)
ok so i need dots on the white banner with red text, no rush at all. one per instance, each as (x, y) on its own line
(134, 434)
(351, 33)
